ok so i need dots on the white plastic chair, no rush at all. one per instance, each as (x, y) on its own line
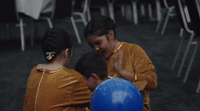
(8, 15)
(187, 27)
(104, 5)
(84, 13)
(194, 13)
(142, 4)
(134, 11)
(170, 13)
(61, 9)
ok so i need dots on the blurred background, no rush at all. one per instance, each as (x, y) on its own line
(165, 29)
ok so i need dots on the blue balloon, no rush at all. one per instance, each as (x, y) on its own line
(116, 94)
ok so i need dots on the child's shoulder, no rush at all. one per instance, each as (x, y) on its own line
(74, 73)
(130, 46)
(34, 68)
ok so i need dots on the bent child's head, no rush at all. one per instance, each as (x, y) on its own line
(99, 26)
(93, 67)
(100, 35)
(54, 42)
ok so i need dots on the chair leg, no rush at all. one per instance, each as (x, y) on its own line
(158, 10)
(75, 29)
(88, 14)
(198, 87)
(165, 22)
(150, 12)
(181, 32)
(159, 15)
(128, 13)
(103, 11)
(158, 26)
(32, 34)
(8, 31)
(111, 11)
(142, 9)
(134, 10)
(49, 22)
(191, 61)
(83, 17)
(178, 52)
(185, 55)
(123, 10)
(22, 34)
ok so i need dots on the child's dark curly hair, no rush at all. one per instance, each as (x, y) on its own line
(92, 62)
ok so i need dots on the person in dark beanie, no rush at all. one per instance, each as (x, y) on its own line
(124, 60)
(52, 86)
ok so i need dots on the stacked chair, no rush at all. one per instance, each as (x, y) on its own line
(170, 8)
(83, 12)
(101, 5)
(9, 15)
(125, 6)
(150, 4)
(190, 27)
(194, 12)
(61, 9)
(104, 5)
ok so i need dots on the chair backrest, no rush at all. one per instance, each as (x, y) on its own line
(85, 5)
(96, 3)
(146, 1)
(179, 7)
(81, 5)
(48, 13)
(168, 3)
(63, 8)
(194, 13)
(122, 2)
(8, 11)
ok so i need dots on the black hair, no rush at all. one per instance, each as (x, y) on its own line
(92, 62)
(54, 41)
(99, 26)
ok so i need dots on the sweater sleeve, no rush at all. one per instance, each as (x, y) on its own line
(143, 68)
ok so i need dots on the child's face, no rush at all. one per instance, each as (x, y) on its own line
(101, 44)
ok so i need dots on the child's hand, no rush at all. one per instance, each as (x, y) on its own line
(118, 63)
(119, 67)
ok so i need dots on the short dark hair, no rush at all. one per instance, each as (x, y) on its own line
(99, 26)
(55, 40)
(92, 62)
